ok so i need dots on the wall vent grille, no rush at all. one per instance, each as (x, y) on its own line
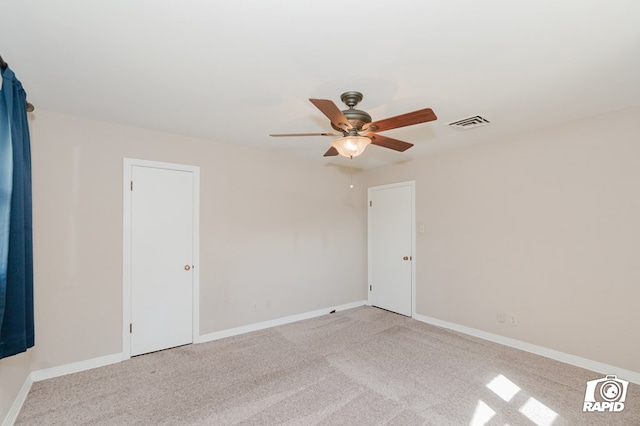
(469, 123)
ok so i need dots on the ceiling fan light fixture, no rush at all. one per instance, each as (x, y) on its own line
(351, 146)
(351, 122)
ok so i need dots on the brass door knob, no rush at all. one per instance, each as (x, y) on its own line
(405, 258)
(187, 267)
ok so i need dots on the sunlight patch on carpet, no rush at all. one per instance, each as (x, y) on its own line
(538, 413)
(503, 387)
(482, 415)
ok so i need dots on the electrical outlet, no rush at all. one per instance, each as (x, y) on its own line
(268, 304)
(513, 320)
(500, 316)
(255, 307)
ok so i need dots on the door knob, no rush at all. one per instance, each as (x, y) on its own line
(405, 258)
(187, 267)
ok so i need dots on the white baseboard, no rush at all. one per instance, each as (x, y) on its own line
(585, 363)
(50, 373)
(275, 322)
(76, 367)
(12, 415)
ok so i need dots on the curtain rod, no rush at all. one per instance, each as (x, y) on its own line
(3, 66)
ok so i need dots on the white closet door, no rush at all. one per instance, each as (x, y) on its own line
(162, 233)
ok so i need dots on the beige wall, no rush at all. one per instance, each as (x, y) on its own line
(272, 228)
(544, 226)
(13, 374)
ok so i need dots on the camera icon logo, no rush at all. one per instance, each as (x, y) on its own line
(606, 394)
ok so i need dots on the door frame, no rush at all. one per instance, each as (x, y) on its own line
(129, 163)
(412, 185)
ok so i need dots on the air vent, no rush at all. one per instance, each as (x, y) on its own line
(469, 123)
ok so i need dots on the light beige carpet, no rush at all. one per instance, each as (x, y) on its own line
(363, 366)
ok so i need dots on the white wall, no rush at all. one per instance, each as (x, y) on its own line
(272, 228)
(544, 226)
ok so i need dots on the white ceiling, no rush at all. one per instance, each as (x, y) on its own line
(236, 71)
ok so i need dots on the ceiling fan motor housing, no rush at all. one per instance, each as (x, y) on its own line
(356, 117)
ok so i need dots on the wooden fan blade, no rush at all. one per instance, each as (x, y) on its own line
(390, 143)
(332, 152)
(278, 135)
(332, 112)
(408, 119)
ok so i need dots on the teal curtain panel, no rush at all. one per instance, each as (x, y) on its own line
(16, 240)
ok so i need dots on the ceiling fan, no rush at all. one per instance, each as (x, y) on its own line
(351, 122)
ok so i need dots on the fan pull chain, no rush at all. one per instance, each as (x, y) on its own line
(351, 176)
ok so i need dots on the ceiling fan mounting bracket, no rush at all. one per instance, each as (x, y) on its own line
(351, 98)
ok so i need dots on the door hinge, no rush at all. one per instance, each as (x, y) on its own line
(370, 287)
(130, 328)
(132, 185)
(370, 203)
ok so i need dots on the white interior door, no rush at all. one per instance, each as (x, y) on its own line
(162, 258)
(391, 244)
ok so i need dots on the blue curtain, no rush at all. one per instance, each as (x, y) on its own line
(16, 246)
